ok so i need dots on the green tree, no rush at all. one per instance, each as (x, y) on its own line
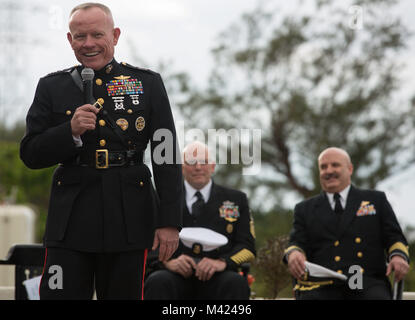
(12, 133)
(18, 184)
(326, 74)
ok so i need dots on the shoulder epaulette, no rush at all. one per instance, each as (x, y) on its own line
(61, 71)
(125, 64)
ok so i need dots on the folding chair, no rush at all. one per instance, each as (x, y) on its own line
(28, 260)
(397, 290)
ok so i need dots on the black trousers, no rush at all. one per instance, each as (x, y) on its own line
(69, 274)
(167, 285)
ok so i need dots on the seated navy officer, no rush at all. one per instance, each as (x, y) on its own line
(194, 273)
(342, 227)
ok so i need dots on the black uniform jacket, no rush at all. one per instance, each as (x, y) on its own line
(226, 212)
(365, 235)
(116, 208)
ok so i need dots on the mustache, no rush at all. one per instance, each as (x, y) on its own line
(330, 175)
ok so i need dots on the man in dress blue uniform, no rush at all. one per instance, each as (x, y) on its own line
(104, 212)
(194, 273)
(342, 227)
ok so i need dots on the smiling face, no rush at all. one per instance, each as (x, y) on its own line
(335, 170)
(93, 37)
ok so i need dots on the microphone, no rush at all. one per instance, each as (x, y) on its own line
(87, 75)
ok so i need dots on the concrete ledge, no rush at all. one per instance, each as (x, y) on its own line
(6, 293)
(406, 295)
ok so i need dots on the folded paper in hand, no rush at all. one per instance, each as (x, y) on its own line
(316, 270)
(32, 288)
(209, 239)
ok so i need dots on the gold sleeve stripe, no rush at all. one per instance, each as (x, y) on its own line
(399, 246)
(308, 285)
(243, 256)
(289, 249)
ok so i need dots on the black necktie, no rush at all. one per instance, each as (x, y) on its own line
(198, 204)
(338, 206)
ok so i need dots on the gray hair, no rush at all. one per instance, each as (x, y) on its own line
(89, 5)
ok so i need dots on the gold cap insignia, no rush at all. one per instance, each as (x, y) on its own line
(197, 248)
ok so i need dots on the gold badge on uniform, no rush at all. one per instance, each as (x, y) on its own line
(229, 228)
(140, 123)
(121, 77)
(122, 123)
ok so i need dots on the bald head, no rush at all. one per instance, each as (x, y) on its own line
(335, 169)
(335, 150)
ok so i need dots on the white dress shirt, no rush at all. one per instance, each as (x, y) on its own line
(343, 197)
(190, 193)
(78, 141)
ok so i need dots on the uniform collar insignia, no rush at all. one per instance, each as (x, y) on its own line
(108, 68)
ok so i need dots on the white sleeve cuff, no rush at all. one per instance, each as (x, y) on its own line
(398, 254)
(77, 141)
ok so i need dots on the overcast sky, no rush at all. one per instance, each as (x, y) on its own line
(180, 32)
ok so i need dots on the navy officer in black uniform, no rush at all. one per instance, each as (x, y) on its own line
(193, 273)
(346, 226)
(104, 212)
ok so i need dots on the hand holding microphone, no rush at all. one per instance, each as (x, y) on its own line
(85, 117)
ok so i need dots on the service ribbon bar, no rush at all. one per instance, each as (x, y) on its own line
(124, 87)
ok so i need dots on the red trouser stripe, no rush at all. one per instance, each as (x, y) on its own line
(144, 273)
(43, 271)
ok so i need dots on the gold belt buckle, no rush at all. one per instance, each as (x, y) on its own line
(98, 157)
